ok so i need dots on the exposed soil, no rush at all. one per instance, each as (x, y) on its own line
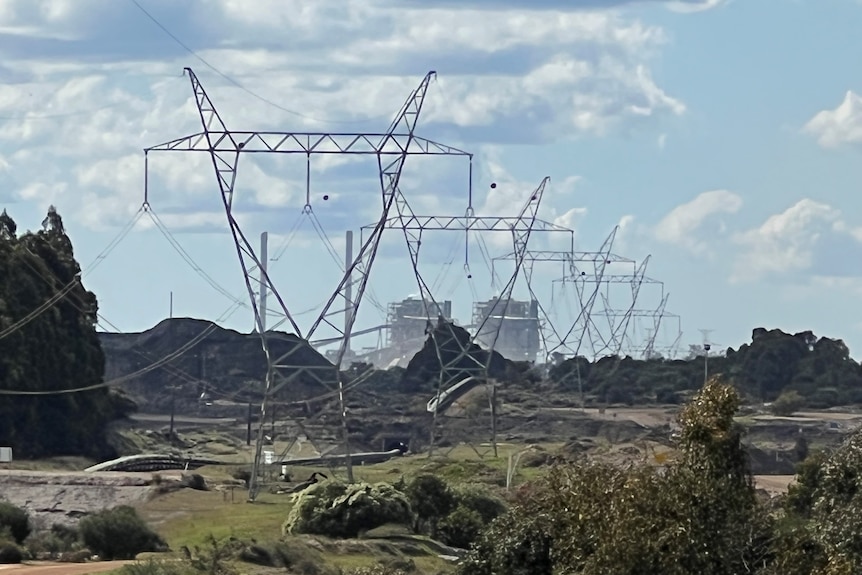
(64, 497)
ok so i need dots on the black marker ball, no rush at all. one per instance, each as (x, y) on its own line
(325, 197)
(493, 185)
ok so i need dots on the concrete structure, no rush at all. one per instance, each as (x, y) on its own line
(519, 338)
(408, 320)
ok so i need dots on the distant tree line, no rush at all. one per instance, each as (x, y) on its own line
(48, 342)
(818, 369)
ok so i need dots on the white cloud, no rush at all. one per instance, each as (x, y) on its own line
(689, 6)
(684, 225)
(841, 125)
(808, 237)
(506, 75)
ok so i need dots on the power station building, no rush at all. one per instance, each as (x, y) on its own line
(408, 320)
(519, 338)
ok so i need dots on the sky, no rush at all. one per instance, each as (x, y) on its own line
(726, 155)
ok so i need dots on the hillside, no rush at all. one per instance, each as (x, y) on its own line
(222, 364)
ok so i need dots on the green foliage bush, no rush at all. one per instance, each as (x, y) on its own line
(461, 527)
(339, 509)
(59, 539)
(119, 533)
(10, 553)
(431, 499)
(479, 500)
(473, 509)
(788, 403)
(699, 515)
(14, 520)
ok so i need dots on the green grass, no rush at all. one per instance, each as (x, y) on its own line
(188, 517)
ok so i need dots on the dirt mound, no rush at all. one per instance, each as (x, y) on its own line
(222, 361)
(424, 368)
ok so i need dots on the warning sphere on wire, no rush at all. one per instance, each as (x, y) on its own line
(493, 185)
(325, 197)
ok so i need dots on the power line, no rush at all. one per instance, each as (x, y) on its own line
(236, 83)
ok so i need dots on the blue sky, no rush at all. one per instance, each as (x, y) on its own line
(722, 136)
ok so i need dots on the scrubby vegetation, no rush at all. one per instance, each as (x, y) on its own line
(699, 514)
(801, 369)
(119, 533)
(14, 522)
(340, 509)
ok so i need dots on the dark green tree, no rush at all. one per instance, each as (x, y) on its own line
(48, 343)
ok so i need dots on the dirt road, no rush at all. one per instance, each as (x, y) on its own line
(42, 568)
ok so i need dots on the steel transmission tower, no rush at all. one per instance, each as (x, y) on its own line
(391, 148)
(521, 227)
(582, 327)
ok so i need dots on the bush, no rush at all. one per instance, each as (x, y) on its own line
(431, 499)
(15, 520)
(461, 527)
(10, 553)
(60, 539)
(337, 509)
(119, 533)
(483, 503)
(787, 404)
(194, 481)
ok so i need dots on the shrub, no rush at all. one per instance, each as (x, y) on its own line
(15, 520)
(60, 539)
(337, 509)
(242, 474)
(194, 481)
(431, 499)
(10, 553)
(479, 500)
(787, 404)
(461, 527)
(119, 533)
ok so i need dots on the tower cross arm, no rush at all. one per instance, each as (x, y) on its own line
(471, 223)
(309, 143)
(567, 256)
